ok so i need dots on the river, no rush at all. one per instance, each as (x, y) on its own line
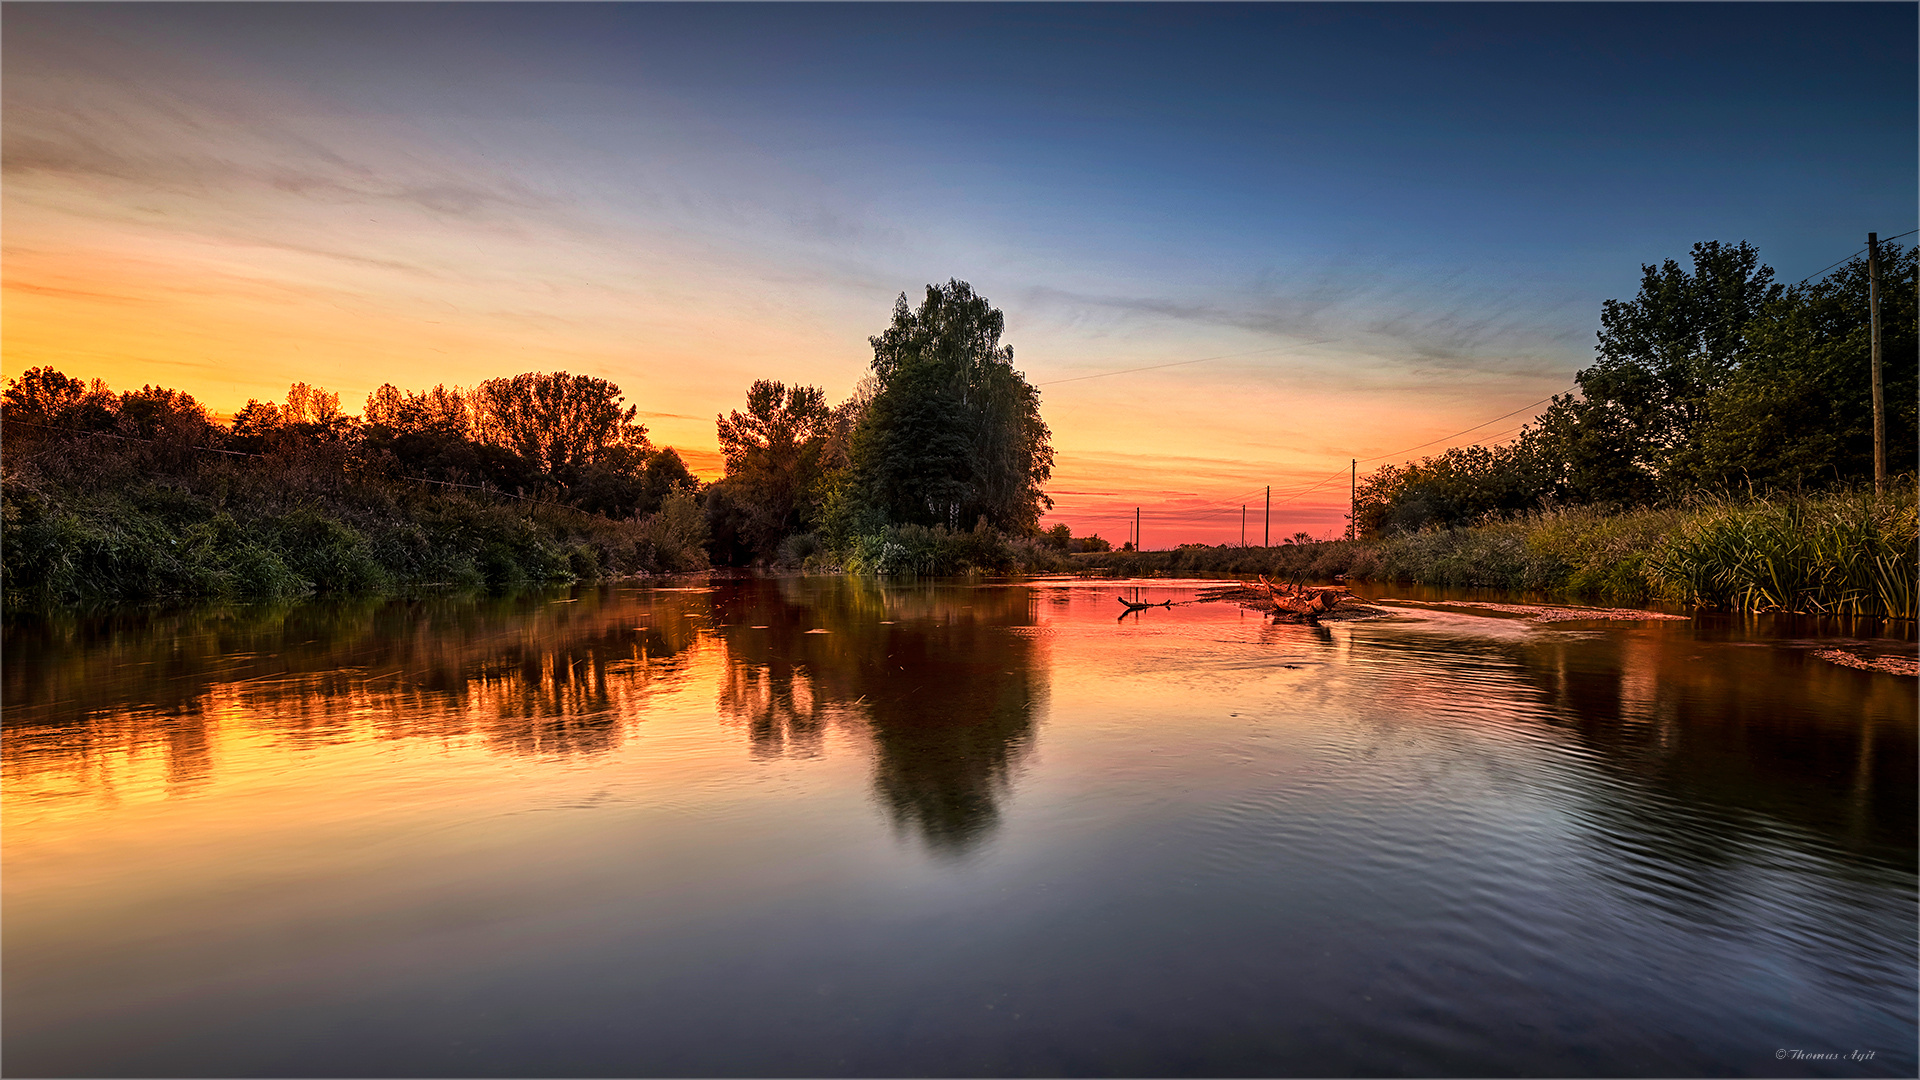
(825, 826)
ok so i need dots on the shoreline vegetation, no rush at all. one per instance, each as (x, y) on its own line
(1719, 456)
(1839, 553)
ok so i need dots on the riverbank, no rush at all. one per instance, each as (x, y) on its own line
(95, 531)
(256, 531)
(1842, 554)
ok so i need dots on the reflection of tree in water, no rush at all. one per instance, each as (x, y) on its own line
(947, 691)
(536, 673)
(776, 703)
(189, 751)
(1706, 760)
(959, 717)
(1749, 737)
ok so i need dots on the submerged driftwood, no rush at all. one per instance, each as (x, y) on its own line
(1294, 603)
(1309, 602)
(1134, 605)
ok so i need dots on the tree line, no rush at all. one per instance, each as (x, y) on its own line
(142, 494)
(1712, 379)
(564, 438)
(943, 434)
(936, 463)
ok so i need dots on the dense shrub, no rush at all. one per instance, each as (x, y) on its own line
(222, 531)
(936, 551)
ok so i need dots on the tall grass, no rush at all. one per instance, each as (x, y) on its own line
(1848, 554)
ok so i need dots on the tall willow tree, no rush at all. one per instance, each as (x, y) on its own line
(953, 433)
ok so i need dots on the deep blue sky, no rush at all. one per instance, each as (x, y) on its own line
(1416, 210)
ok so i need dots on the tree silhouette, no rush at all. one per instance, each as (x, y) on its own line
(558, 422)
(953, 433)
(775, 455)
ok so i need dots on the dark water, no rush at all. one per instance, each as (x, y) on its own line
(828, 827)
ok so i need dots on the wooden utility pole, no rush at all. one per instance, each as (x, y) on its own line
(1879, 402)
(1137, 544)
(1266, 538)
(1353, 499)
(1243, 524)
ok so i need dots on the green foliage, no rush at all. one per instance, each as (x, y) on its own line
(300, 499)
(1311, 561)
(953, 432)
(1797, 413)
(1664, 353)
(1710, 380)
(327, 553)
(938, 551)
(630, 482)
(800, 550)
(1464, 484)
(919, 550)
(1590, 553)
(1851, 554)
(777, 453)
(677, 532)
(1845, 553)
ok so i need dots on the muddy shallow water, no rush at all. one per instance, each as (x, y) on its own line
(818, 826)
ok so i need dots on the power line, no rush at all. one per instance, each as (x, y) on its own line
(1448, 438)
(1457, 434)
(1829, 266)
(1219, 507)
(1856, 254)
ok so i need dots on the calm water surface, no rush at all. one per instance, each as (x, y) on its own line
(831, 827)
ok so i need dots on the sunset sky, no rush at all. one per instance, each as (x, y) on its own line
(1387, 223)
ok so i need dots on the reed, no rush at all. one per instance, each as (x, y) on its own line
(1851, 553)
(1848, 553)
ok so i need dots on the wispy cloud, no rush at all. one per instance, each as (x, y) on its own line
(1445, 325)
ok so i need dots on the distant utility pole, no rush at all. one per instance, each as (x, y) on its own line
(1243, 524)
(1353, 500)
(1879, 403)
(1138, 544)
(1266, 538)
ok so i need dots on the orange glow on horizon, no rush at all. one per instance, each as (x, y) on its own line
(228, 322)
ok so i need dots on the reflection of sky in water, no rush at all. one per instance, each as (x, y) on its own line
(972, 828)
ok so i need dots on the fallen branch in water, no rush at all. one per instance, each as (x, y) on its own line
(1307, 601)
(1339, 605)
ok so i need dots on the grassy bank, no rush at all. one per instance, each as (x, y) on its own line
(916, 550)
(1847, 554)
(91, 524)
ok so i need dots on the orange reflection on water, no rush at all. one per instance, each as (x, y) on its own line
(723, 823)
